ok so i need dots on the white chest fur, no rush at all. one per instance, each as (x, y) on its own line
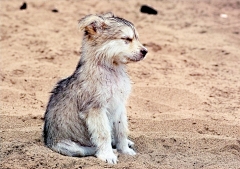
(115, 87)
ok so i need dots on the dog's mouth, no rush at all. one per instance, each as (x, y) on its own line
(136, 58)
(128, 59)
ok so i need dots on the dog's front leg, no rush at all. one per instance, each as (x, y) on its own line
(121, 132)
(100, 131)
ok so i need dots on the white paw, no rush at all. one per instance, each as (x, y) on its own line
(108, 157)
(130, 143)
(128, 151)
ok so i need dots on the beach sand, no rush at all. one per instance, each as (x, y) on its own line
(183, 111)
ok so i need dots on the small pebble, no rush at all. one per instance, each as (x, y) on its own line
(55, 10)
(24, 6)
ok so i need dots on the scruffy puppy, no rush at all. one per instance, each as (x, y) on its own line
(86, 111)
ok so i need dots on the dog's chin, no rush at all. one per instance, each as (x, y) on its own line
(126, 59)
(135, 58)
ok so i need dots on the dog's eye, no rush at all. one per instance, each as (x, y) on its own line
(127, 39)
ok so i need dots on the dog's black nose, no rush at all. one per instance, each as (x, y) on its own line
(143, 52)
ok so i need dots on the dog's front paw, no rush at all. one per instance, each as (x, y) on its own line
(128, 151)
(108, 157)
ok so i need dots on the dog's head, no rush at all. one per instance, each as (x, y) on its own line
(113, 38)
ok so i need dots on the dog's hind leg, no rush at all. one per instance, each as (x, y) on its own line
(70, 148)
(130, 143)
(114, 144)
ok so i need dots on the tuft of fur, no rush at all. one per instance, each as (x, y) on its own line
(86, 113)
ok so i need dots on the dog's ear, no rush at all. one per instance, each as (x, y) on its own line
(108, 15)
(92, 24)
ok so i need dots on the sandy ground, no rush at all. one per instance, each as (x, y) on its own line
(184, 108)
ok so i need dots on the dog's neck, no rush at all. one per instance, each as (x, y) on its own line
(95, 61)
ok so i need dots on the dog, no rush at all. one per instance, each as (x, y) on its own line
(86, 112)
